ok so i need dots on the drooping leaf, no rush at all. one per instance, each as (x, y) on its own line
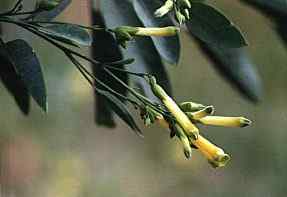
(236, 66)
(142, 49)
(105, 49)
(274, 5)
(168, 47)
(28, 68)
(120, 109)
(69, 34)
(12, 81)
(49, 15)
(276, 10)
(212, 27)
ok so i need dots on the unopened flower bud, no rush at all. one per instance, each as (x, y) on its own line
(186, 14)
(183, 4)
(180, 17)
(184, 140)
(225, 121)
(191, 106)
(209, 110)
(163, 10)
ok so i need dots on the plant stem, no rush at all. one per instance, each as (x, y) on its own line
(17, 4)
(85, 72)
(69, 53)
(93, 28)
(22, 13)
(33, 29)
(128, 72)
(140, 97)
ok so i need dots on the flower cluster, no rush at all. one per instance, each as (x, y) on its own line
(182, 119)
(180, 7)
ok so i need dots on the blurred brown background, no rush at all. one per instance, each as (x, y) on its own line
(64, 154)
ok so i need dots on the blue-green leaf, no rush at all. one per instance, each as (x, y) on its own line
(120, 109)
(105, 49)
(28, 68)
(212, 27)
(142, 49)
(12, 81)
(235, 66)
(274, 5)
(276, 10)
(68, 33)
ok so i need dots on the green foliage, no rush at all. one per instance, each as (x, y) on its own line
(236, 66)
(105, 49)
(12, 80)
(217, 36)
(214, 28)
(27, 66)
(143, 50)
(120, 109)
(69, 34)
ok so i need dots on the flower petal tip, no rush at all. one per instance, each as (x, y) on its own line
(220, 160)
(244, 122)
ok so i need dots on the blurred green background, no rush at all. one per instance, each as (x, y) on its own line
(64, 154)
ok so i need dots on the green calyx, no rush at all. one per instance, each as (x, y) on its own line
(47, 5)
(191, 106)
(124, 34)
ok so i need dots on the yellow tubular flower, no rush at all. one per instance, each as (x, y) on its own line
(214, 154)
(225, 121)
(181, 118)
(157, 31)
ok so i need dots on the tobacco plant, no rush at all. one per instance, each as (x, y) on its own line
(131, 42)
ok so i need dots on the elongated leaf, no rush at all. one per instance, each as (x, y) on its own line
(28, 68)
(105, 49)
(168, 47)
(120, 109)
(70, 34)
(12, 81)
(276, 10)
(236, 66)
(142, 49)
(50, 15)
(274, 5)
(212, 27)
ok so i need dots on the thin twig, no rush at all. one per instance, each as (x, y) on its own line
(85, 72)
(17, 4)
(125, 71)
